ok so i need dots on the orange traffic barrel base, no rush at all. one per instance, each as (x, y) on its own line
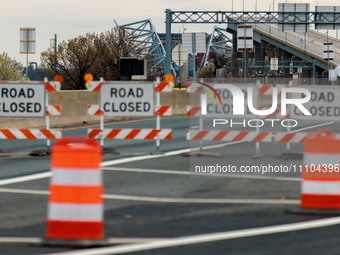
(313, 201)
(74, 230)
(84, 243)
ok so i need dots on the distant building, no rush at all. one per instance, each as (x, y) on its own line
(37, 74)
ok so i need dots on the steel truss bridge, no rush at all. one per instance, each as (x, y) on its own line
(301, 17)
(147, 40)
(327, 19)
(264, 66)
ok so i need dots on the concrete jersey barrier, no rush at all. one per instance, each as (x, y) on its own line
(74, 108)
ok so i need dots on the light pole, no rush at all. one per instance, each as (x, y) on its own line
(270, 18)
(317, 4)
(255, 11)
(179, 57)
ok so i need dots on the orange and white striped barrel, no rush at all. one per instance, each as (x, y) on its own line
(75, 206)
(320, 187)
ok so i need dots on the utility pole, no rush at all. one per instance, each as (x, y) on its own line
(27, 56)
(55, 49)
(179, 64)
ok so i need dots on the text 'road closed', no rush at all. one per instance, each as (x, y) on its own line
(323, 105)
(127, 99)
(22, 100)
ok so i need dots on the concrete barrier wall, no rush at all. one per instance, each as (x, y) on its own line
(73, 111)
(179, 99)
(74, 108)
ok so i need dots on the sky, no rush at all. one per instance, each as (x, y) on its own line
(71, 18)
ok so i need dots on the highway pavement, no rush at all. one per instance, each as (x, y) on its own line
(154, 206)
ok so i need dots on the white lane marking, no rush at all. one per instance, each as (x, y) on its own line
(169, 200)
(314, 126)
(25, 191)
(25, 178)
(166, 154)
(134, 240)
(138, 170)
(129, 159)
(202, 200)
(205, 238)
(245, 176)
(195, 127)
(137, 158)
(20, 240)
(177, 152)
(110, 163)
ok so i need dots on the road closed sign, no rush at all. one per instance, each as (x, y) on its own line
(127, 99)
(324, 104)
(226, 98)
(22, 100)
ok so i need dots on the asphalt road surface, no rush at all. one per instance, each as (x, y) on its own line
(154, 206)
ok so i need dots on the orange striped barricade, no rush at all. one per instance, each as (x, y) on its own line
(95, 86)
(193, 87)
(54, 110)
(75, 204)
(267, 89)
(163, 110)
(29, 99)
(283, 137)
(30, 133)
(51, 86)
(118, 99)
(194, 111)
(130, 134)
(94, 109)
(166, 110)
(197, 111)
(224, 135)
(320, 187)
